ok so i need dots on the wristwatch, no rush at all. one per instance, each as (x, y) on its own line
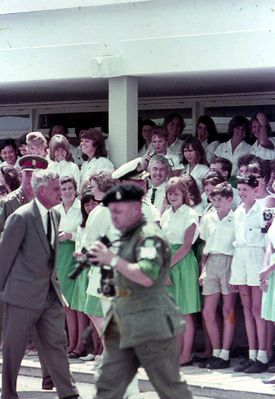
(114, 261)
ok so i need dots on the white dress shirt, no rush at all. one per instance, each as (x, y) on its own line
(198, 173)
(159, 196)
(66, 168)
(262, 152)
(44, 217)
(225, 150)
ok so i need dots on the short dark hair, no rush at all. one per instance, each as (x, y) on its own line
(245, 160)
(223, 189)
(213, 178)
(172, 116)
(8, 142)
(226, 164)
(260, 167)
(237, 121)
(98, 139)
(249, 180)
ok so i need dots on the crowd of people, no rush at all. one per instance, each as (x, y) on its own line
(214, 202)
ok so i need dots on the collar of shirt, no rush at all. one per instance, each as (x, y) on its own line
(43, 213)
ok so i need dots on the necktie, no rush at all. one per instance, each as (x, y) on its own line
(49, 229)
(153, 196)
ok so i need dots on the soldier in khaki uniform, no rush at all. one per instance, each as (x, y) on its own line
(8, 205)
(141, 326)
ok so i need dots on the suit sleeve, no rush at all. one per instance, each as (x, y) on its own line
(10, 242)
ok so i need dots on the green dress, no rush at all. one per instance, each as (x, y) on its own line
(65, 264)
(184, 278)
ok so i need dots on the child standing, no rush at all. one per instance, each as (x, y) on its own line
(246, 265)
(217, 231)
(180, 223)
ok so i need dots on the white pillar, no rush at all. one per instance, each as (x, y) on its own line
(123, 116)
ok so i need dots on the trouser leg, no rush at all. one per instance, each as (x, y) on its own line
(51, 332)
(118, 367)
(37, 343)
(18, 323)
(161, 362)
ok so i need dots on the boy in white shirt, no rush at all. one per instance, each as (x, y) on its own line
(217, 230)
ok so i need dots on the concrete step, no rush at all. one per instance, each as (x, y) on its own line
(216, 384)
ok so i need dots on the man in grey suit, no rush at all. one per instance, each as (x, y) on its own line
(31, 291)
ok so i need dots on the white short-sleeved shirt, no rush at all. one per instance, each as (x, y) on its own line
(261, 152)
(176, 147)
(159, 196)
(95, 165)
(218, 234)
(248, 227)
(71, 220)
(210, 149)
(65, 168)
(225, 150)
(150, 212)
(198, 173)
(174, 224)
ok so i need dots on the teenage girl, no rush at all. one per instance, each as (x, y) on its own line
(179, 223)
(61, 155)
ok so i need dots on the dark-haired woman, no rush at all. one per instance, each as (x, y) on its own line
(194, 160)
(174, 125)
(8, 152)
(92, 144)
(207, 134)
(264, 145)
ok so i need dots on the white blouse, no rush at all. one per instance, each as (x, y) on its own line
(198, 173)
(66, 168)
(225, 150)
(261, 152)
(71, 220)
(95, 165)
(174, 224)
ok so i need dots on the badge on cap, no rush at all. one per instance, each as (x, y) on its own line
(34, 162)
(118, 196)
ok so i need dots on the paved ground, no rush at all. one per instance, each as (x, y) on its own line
(30, 388)
(219, 384)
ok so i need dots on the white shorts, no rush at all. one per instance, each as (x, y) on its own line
(246, 265)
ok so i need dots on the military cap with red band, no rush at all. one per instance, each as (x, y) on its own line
(32, 162)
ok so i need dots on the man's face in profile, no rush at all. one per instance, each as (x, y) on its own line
(125, 214)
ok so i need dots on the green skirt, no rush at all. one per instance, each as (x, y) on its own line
(65, 264)
(93, 306)
(185, 287)
(79, 295)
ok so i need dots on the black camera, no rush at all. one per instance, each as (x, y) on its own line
(85, 259)
(268, 217)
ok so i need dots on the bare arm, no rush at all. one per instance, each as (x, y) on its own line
(186, 246)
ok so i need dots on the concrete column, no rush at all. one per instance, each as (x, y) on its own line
(123, 116)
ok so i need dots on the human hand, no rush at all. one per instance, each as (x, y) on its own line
(262, 119)
(264, 285)
(201, 280)
(100, 254)
(264, 274)
(63, 236)
(233, 288)
(168, 281)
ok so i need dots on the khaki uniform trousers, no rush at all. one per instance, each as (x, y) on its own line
(159, 359)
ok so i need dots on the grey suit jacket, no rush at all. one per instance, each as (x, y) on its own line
(25, 272)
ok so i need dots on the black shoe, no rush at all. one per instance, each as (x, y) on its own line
(269, 381)
(205, 363)
(256, 367)
(218, 364)
(47, 383)
(243, 366)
